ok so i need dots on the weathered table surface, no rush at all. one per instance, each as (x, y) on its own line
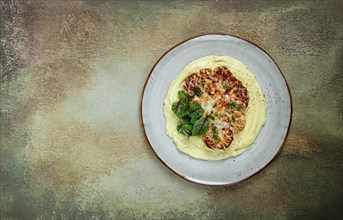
(72, 145)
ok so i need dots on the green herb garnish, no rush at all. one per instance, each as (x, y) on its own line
(182, 95)
(198, 91)
(200, 127)
(230, 105)
(239, 108)
(185, 120)
(233, 118)
(191, 122)
(195, 110)
(180, 108)
(185, 129)
(215, 133)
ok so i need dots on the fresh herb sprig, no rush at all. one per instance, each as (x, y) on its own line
(191, 120)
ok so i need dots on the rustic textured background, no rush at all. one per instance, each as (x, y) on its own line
(72, 146)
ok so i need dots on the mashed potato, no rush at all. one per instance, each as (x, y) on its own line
(255, 113)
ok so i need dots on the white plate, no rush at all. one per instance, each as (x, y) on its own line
(269, 141)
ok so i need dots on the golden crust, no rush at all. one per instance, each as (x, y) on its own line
(223, 97)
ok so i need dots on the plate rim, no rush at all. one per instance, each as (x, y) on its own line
(143, 126)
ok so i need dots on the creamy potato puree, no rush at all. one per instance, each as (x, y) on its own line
(255, 113)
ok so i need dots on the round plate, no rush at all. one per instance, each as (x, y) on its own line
(270, 139)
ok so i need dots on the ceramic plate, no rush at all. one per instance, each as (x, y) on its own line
(270, 139)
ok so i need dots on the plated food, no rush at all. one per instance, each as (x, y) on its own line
(214, 108)
(263, 105)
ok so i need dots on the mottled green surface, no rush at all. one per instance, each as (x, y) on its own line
(71, 143)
